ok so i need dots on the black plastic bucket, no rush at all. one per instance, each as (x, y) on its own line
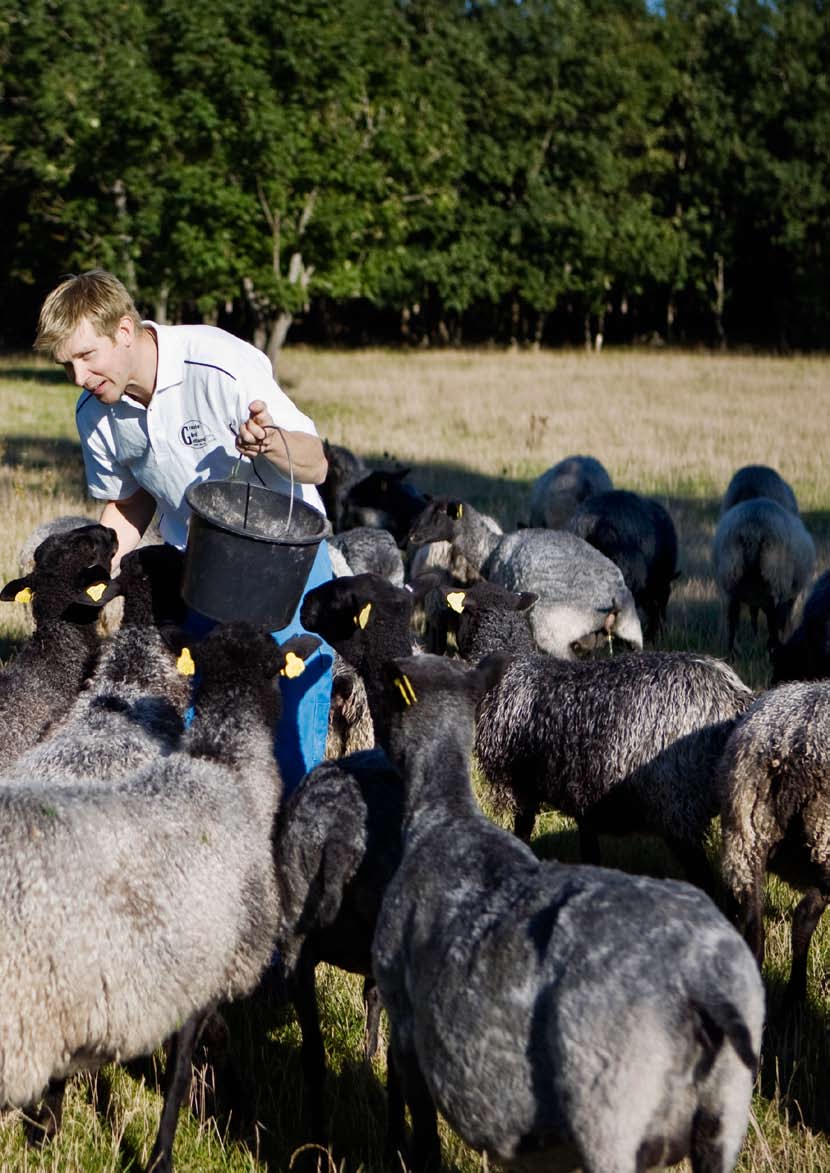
(242, 560)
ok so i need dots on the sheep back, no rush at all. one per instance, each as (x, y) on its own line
(557, 492)
(758, 480)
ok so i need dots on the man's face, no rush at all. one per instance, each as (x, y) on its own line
(97, 363)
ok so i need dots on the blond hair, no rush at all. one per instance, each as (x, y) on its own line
(95, 296)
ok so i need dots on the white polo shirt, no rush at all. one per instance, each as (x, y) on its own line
(206, 379)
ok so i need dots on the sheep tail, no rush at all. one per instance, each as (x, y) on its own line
(719, 1020)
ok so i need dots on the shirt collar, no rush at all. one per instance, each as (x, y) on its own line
(170, 371)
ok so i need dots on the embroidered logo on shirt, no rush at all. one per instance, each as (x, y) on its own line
(193, 434)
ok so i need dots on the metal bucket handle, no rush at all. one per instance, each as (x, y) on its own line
(235, 470)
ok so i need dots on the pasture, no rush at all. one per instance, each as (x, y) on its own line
(480, 425)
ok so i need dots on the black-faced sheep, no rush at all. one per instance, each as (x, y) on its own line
(806, 653)
(758, 480)
(638, 535)
(558, 1017)
(66, 588)
(132, 709)
(775, 787)
(558, 492)
(339, 832)
(763, 558)
(581, 592)
(106, 952)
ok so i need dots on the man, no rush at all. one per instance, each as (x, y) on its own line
(163, 407)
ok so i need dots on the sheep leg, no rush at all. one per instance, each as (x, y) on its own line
(695, 864)
(371, 1000)
(589, 851)
(304, 996)
(707, 1146)
(753, 619)
(805, 918)
(752, 920)
(177, 1076)
(406, 1085)
(525, 820)
(45, 1121)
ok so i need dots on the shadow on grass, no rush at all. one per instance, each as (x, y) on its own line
(40, 452)
(795, 1057)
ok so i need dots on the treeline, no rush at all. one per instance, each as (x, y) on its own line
(438, 171)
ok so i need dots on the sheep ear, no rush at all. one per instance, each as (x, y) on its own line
(526, 600)
(489, 671)
(294, 653)
(19, 590)
(455, 510)
(362, 616)
(94, 583)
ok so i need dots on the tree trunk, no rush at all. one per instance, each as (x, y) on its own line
(719, 283)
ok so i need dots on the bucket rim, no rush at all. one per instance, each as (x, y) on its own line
(240, 531)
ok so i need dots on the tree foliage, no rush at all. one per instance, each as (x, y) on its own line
(433, 169)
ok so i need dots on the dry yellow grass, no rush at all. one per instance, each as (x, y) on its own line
(483, 425)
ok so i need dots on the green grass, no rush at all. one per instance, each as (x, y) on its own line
(482, 426)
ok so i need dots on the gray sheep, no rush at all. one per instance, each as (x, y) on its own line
(132, 709)
(583, 599)
(559, 490)
(638, 535)
(758, 480)
(763, 558)
(130, 911)
(558, 1017)
(66, 588)
(775, 786)
(806, 653)
(624, 744)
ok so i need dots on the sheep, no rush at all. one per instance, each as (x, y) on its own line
(338, 839)
(133, 706)
(384, 499)
(67, 589)
(130, 911)
(775, 792)
(344, 469)
(582, 595)
(557, 492)
(370, 550)
(638, 535)
(625, 744)
(763, 558)
(558, 1017)
(806, 653)
(757, 480)
(486, 617)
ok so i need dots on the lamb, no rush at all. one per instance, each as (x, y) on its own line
(132, 709)
(775, 786)
(338, 839)
(583, 598)
(486, 618)
(558, 1017)
(806, 653)
(558, 492)
(106, 953)
(66, 589)
(763, 558)
(638, 535)
(355, 495)
(757, 480)
(625, 744)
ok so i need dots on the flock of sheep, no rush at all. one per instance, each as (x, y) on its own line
(557, 1016)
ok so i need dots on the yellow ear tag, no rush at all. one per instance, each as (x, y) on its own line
(362, 618)
(460, 513)
(455, 601)
(185, 664)
(24, 596)
(294, 665)
(404, 687)
(96, 590)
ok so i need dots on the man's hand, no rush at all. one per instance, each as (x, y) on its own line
(258, 436)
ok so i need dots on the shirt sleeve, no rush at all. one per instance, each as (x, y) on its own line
(106, 479)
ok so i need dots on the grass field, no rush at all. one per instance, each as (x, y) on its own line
(481, 425)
